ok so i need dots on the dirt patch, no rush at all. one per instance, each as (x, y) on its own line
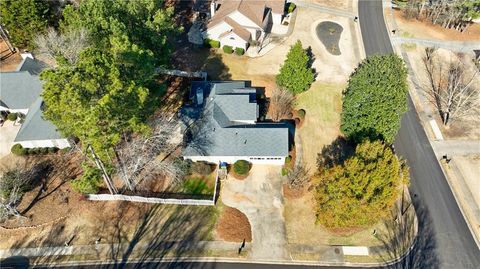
(233, 226)
(290, 193)
(426, 29)
(8, 61)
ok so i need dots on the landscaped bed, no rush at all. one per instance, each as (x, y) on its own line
(329, 34)
(233, 226)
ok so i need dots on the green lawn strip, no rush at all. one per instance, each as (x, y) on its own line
(322, 100)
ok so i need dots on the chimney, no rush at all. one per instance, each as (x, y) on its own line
(213, 8)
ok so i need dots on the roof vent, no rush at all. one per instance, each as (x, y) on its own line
(245, 142)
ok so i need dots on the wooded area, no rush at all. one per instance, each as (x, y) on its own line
(456, 14)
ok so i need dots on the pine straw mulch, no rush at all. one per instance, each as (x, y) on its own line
(290, 193)
(233, 226)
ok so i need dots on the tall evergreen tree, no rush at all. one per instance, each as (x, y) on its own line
(375, 99)
(362, 190)
(296, 74)
(110, 89)
(24, 19)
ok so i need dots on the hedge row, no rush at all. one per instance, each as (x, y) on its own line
(17, 149)
(209, 43)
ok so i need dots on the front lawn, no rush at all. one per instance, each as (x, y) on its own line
(323, 105)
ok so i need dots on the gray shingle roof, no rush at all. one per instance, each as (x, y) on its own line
(35, 127)
(219, 135)
(18, 90)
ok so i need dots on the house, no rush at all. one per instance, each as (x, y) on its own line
(228, 129)
(20, 92)
(237, 23)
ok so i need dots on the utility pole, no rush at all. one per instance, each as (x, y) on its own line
(106, 177)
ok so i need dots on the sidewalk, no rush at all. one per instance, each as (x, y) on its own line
(105, 250)
(461, 191)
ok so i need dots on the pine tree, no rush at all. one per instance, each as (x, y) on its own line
(375, 99)
(295, 74)
(23, 19)
(362, 190)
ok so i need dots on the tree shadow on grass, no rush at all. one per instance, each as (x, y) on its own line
(175, 232)
(399, 237)
(335, 153)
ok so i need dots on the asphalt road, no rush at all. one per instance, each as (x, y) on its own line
(446, 237)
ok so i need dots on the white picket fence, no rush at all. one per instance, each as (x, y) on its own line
(153, 200)
(156, 200)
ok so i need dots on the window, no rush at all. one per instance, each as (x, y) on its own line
(232, 38)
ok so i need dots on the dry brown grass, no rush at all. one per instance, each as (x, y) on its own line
(301, 228)
(290, 193)
(426, 29)
(233, 226)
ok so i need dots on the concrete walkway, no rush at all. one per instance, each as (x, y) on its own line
(456, 147)
(458, 46)
(328, 10)
(259, 197)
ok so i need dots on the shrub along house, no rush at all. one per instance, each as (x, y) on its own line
(20, 93)
(237, 23)
(228, 130)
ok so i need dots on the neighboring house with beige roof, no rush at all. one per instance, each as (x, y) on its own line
(237, 22)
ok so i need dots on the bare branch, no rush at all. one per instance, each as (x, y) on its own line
(281, 104)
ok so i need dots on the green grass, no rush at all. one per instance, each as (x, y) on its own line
(322, 100)
(196, 185)
(407, 35)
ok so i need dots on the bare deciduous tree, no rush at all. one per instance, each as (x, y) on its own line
(298, 177)
(281, 104)
(141, 157)
(68, 45)
(452, 89)
(14, 182)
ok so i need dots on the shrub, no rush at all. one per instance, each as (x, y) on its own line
(43, 150)
(291, 7)
(17, 149)
(215, 44)
(12, 116)
(212, 43)
(31, 151)
(227, 49)
(89, 182)
(301, 113)
(239, 51)
(241, 167)
(65, 150)
(288, 159)
(285, 171)
(52, 149)
(202, 168)
(297, 122)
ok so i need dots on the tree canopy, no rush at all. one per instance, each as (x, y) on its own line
(375, 99)
(296, 74)
(110, 89)
(362, 190)
(24, 19)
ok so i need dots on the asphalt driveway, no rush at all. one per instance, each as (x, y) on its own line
(259, 197)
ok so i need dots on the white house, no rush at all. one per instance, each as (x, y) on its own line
(230, 131)
(20, 92)
(237, 22)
